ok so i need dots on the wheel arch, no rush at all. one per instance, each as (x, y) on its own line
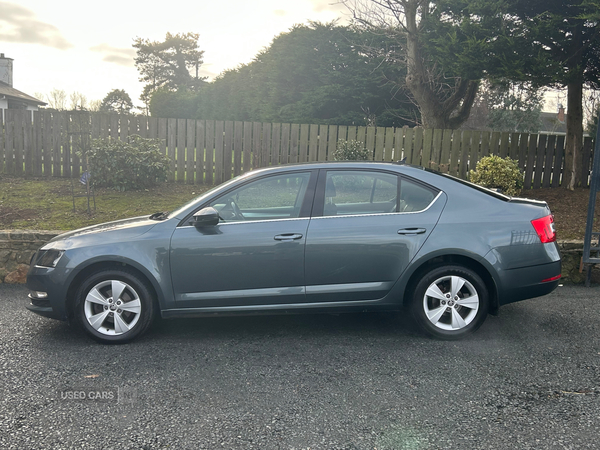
(453, 259)
(97, 266)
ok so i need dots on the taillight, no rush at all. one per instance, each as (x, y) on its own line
(544, 227)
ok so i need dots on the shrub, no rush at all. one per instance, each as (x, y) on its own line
(496, 173)
(125, 165)
(351, 151)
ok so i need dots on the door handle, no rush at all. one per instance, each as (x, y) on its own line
(411, 231)
(288, 237)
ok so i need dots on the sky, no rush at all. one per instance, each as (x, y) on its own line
(86, 47)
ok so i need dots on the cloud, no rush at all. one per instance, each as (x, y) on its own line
(115, 55)
(19, 24)
(328, 5)
(279, 12)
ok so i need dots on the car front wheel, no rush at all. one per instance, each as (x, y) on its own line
(114, 306)
(450, 302)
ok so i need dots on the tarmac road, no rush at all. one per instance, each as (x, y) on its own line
(528, 379)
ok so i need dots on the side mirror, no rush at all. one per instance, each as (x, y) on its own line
(206, 217)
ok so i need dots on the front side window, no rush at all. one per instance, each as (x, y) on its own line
(270, 198)
(360, 192)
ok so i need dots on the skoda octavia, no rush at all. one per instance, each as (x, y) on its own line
(324, 237)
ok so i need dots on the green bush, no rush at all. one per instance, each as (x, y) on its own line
(351, 151)
(496, 173)
(136, 163)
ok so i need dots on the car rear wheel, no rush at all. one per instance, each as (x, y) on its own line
(450, 302)
(114, 306)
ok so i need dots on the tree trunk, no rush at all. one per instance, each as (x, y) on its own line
(574, 141)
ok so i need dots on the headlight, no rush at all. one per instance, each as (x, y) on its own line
(48, 258)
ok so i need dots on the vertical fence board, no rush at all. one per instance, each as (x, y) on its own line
(361, 135)
(303, 146)
(265, 150)
(275, 144)
(143, 126)
(504, 138)
(427, 146)
(558, 161)
(66, 147)
(331, 141)
(209, 151)
(28, 142)
(464, 154)
(436, 149)
(370, 143)
(313, 143)
(190, 151)
(172, 147)
(513, 152)
(388, 146)
(247, 147)
(531, 150)
(322, 152)
(417, 146)
(539, 161)
(256, 141)
(57, 120)
(351, 134)
(446, 145)
(407, 145)
(284, 154)
(485, 144)
(180, 150)
(379, 143)
(199, 154)
(19, 141)
(219, 152)
(2, 143)
(294, 143)
(342, 133)
(227, 150)
(47, 142)
(123, 126)
(523, 145)
(548, 162)
(38, 158)
(475, 150)
(237, 147)
(9, 142)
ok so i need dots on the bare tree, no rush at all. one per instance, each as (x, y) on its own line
(78, 101)
(444, 100)
(57, 99)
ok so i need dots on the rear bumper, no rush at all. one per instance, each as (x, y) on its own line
(527, 282)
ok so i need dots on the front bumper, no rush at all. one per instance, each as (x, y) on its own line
(43, 279)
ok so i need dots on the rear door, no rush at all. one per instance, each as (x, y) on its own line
(367, 226)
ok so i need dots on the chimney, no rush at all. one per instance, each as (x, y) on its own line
(6, 69)
(561, 113)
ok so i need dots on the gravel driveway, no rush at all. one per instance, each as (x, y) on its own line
(529, 378)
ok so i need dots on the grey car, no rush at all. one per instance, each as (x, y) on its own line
(322, 237)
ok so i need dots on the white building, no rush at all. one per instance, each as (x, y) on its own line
(11, 98)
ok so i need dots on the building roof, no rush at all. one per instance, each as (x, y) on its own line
(12, 93)
(552, 124)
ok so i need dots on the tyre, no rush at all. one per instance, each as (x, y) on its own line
(450, 302)
(114, 306)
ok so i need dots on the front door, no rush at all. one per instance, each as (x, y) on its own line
(255, 255)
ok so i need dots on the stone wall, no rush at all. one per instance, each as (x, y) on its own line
(17, 247)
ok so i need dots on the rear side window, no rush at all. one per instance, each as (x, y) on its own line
(414, 197)
(360, 192)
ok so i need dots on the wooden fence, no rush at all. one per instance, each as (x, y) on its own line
(47, 144)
